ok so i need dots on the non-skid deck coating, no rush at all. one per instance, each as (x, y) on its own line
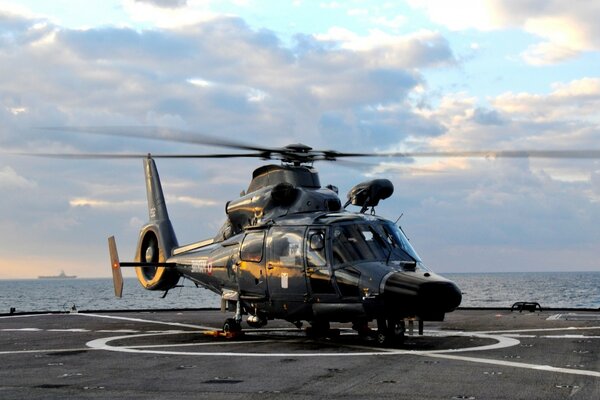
(474, 354)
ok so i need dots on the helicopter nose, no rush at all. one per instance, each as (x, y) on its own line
(421, 296)
(439, 296)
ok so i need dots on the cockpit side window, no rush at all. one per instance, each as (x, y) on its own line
(370, 242)
(356, 242)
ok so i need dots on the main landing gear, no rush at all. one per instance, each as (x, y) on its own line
(321, 329)
(231, 327)
(390, 331)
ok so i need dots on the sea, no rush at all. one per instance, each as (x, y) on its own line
(549, 289)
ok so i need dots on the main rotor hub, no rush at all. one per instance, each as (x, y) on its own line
(297, 154)
(298, 148)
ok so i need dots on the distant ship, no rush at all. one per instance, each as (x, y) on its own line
(62, 275)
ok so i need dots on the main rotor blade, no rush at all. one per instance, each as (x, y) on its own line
(403, 167)
(87, 156)
(163, 134)
(303, 155)
(565, 154)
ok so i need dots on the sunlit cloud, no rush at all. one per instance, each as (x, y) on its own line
(384, 50)
(183, 13)
(566, 29)
(16, 110)
(105, 204)
(10, 7)
(192, 201)
(461, 14)
(200, 82)
(394, 22)
(165, 3)
(576, 99)
(256, 95)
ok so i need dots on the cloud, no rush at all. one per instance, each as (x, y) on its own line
(394, 22)
(565, 29)
(487, 117)
(104, 204)
(9, 179)
(461, 14)
(420, 49)
(193, 201)
(170, 14)
(165, 3)
(573, 101)
(565, 118)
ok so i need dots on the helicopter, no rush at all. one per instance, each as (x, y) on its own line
(289, 249)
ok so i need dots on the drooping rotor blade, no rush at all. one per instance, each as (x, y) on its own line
(393, 166)
(87, 156)
(297, 153)
(293, 153)
(565, 154)
(163, 134)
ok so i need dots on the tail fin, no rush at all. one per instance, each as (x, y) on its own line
(157, 208)
(157, 239)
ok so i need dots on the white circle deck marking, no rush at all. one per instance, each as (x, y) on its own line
(103, 344)
(502, 341)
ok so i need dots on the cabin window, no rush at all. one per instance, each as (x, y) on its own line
(316, 262)
(315, 251)
(286, 247)
(252, 247)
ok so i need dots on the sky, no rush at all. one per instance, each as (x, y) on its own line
(414, 75)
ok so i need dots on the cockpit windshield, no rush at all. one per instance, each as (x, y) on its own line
(375, 241)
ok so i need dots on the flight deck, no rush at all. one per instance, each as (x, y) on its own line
(178, 354)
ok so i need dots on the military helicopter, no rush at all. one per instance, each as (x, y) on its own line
(290, 250)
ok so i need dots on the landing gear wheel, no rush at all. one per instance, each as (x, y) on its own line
(382, 337)
(231, 327)
(318, 329)
(389, 332)
(363, 330)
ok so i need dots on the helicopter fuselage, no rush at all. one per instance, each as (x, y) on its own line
(344, 267)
